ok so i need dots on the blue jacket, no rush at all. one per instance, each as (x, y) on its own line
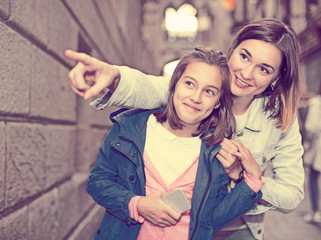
(118, 175)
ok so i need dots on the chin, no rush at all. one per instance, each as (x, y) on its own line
(237, 92)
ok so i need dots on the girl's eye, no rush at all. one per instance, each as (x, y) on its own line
(188, 83)
(210, 92)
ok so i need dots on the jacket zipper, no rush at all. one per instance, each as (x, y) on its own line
(204, 197)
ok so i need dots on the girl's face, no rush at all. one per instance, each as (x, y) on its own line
(254, 65)
(196, 93)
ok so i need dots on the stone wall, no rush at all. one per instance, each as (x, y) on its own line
(49, 137)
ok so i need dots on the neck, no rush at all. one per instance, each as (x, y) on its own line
(241, 104)
(185, 132)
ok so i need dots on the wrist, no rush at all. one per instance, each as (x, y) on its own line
(254, 183)
(253, 175)
(116, 79)
(240, 177)
(133, 209)
(234, 182)
(236, 175)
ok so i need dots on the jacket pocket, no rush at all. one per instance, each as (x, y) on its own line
(263, 158)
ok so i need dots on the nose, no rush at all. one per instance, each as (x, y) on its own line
(247, 72)
(196, 97)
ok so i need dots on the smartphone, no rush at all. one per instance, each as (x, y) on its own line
(177, 200)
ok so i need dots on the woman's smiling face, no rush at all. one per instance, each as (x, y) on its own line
(254, 65)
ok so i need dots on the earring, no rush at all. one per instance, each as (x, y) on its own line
(272, 87)
(217, 105)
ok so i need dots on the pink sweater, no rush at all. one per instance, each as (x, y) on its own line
(186, 181)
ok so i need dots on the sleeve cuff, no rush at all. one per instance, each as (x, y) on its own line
(108, 98)
(133, 211)
(254, 183)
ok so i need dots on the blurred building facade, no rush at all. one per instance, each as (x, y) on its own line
(218, 22)
(49, 137)
(168, 44)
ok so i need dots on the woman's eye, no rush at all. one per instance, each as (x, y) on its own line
(188, 83)
(243, 56)
(265, 70)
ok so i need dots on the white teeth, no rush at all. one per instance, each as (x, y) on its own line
(241, 82)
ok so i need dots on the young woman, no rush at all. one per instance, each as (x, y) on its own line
(264, 63)
(150, 152)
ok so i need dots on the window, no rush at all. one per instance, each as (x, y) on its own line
(181, 24)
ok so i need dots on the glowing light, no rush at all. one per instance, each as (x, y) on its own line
(229, 4)
(181, 23)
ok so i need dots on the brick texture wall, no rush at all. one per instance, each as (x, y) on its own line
(49, 137)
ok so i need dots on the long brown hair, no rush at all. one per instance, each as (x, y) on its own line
(221, 118)
(283, 100)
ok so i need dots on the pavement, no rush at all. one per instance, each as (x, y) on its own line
(291, 226)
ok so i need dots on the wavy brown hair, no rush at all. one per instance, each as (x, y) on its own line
(283, 101)
(221, 119)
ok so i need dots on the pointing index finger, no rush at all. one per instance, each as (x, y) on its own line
(77, 56)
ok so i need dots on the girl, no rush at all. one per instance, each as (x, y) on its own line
(150, 152)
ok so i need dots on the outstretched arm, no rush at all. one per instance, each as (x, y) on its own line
(129, 87)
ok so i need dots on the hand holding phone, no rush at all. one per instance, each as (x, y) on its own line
(177, 200)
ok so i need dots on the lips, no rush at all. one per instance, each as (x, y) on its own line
(191, 107)
(241, 83)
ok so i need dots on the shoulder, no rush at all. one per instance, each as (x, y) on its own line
(130, 123)
(129, 118)
(125, 113)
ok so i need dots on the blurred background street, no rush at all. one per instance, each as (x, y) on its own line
(291, 226)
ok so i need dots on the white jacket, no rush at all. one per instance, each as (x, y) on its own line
(281, 151)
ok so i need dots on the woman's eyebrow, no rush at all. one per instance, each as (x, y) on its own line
(247, 52)
(264, 64)
(268, 66)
